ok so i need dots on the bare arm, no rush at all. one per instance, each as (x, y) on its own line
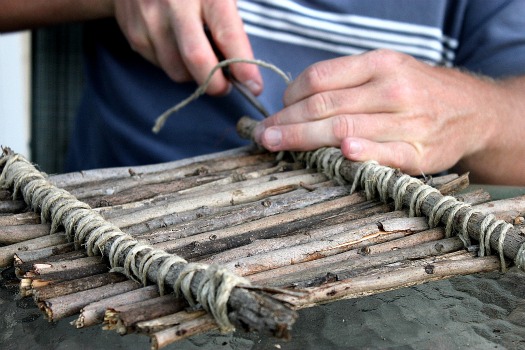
(501, 159)
(19, 15)
(389, 107)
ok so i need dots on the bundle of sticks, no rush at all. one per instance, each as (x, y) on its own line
(299, 236)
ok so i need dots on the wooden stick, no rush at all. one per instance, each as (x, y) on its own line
(250, 253)
(340, 240)
(360, 264)
(23, 266)
(77, 285)
(44, 253)
(187, 329)
(511, 207)
(6, 252)
(267, 239)
(262, 228)
(452, 186)
(32, 281)
(365, 285)
(19, 219)
(17, 233)
(225, 197)
(94, 313)
(272, 277)
(213, 218)
(513, 239)
(123, 318)
(246, 173)
(251, 310)
(144, 192)
(62, 266)
(176, 319)
(349, 171)
(68, 305)
(102, 188)
(87, 176)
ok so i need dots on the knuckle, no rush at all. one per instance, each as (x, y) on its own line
(180, 75)
(398, 91)
(342, 127)
(193, 53)
(314, 76)
(226, 34)
(385, 60)
(138, 41)
(413, 159)
(318, 105)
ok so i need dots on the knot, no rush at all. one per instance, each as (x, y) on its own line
(214, 291)
(326, 160)
(438, 211)
(418, 197)
(488, 226)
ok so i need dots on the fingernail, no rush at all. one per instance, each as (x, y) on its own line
(273, 137)
(354, 147)
(253, 86)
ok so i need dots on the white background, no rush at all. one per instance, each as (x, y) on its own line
(15, 91)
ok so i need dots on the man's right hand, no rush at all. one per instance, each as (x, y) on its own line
(170, 34)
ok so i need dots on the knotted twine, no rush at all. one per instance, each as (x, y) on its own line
(86, 227)
(373, 179)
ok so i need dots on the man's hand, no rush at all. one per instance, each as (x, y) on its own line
(170, 34)
(388, 107)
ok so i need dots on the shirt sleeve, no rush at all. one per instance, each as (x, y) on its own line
(492, 40)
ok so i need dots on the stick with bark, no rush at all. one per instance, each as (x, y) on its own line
(393, 279)
(93, 313)
(80, 178)
(208, 219)
(122, 319)
(70, 304)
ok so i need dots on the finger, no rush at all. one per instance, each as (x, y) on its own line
(342, 72)
(295, 137)
(134, 29)
(365, 99)
(228, 34)
(334, 74)
(399, 155)
(195, 48)
(382, 127)
(164, 45)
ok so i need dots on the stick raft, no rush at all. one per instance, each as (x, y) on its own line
(241, 234)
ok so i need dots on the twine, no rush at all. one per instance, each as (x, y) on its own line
(374, 178)
(201, 90)
(87, 228)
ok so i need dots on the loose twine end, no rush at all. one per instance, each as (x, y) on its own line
(201, 90)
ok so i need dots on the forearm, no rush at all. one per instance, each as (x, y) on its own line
(19, 15)
(501, 161)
